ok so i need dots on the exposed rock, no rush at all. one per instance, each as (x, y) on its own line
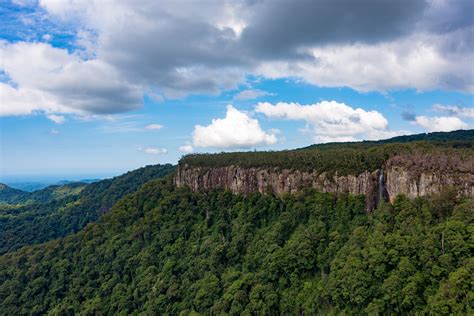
(412, 175)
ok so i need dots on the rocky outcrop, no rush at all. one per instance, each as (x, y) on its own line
(420, 175)
(410, 175)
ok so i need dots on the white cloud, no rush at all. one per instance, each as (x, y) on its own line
(331, 121)
(47, 37)
(455, 110)
(251, 94)
(58, 119)
(412, 62)
(154, 126)
(54, 80)
(440, 123)
(236, 130)
(54, 131)
(154, 150)
(187, 148)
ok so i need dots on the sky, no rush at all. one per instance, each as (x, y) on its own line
(96, 88)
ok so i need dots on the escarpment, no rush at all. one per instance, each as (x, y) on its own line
(411, 174)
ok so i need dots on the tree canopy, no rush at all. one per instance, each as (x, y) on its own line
(164, 250)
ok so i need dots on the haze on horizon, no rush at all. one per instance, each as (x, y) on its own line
(100, 87)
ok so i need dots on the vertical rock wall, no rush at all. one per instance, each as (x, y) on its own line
(410, 175)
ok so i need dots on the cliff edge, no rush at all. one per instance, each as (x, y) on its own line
(381, 172)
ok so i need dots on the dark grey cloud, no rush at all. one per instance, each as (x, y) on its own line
(449, 16)
(279, 28)
(408, 116)
(174, 52)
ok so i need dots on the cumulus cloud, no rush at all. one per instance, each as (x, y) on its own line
(125, 49)
(236, 130)
(281, 28)
(455, 110)
(412, 62)
(153, 150)
(53, 80)
(154, 126)
(187, 148)
(331, 121)
(440, 123)
(251, 94)
(58, 119)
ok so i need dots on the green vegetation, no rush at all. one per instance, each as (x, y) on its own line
(460, 138)
(345, 158)
(164, 250)
(10, 195)
(53, 192)
(57, 211)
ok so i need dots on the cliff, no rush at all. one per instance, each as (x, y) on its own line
(414, 174)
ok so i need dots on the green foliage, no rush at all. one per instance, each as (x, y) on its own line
(164, 250)
(347, 158)
(53, 192)
(10, 195)
(58, 211)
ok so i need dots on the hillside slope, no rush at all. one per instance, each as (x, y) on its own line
(13, 196)
(55, 212)
(164, 250)
(10, 195)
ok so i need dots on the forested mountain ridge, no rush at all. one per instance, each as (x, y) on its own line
(12, 196)
(55, 211)
(379, 170)
(168, 250)
(9, 194)
(459, 138)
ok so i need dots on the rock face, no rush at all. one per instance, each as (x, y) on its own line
(410, 175)
(420, 175)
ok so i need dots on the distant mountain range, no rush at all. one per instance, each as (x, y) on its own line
(31, 186)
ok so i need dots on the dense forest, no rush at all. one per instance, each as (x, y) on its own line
(344, 158)
(136, 244)
(164, 250)
(56, 211)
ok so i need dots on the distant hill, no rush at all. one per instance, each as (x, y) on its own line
(28, 186)
(462, 137)
(62, 182)
(31, 186)
(57, 211)
(10, 195)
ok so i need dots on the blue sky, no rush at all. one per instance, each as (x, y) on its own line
(94, 89)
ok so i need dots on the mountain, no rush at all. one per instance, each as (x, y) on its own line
(35, 186)
(58, 211)
(200, 247)
(9, 194)
(419, 165)
(28, 186)
(63, 182)
(461, 137)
